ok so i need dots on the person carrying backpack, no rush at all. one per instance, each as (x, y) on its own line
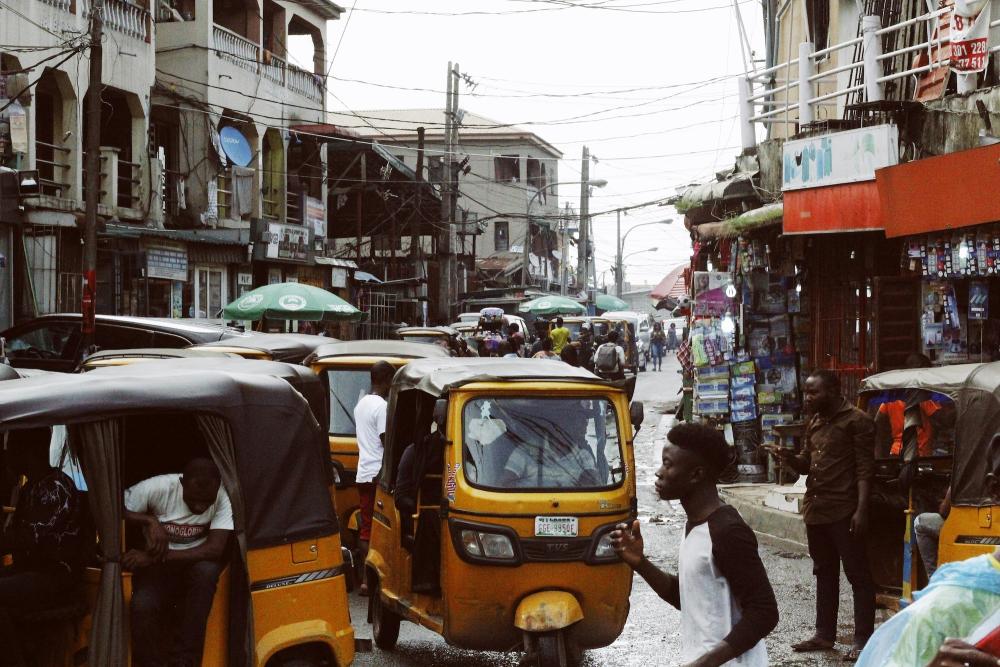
(609, 360)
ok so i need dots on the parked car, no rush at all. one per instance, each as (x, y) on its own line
(53, 342)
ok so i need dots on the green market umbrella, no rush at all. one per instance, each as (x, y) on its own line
(292, 301)
(610, 302)
(552, 305)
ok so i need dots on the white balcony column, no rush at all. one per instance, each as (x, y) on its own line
(109, 176)
(747, 134)
(807, 68)
(872, 45)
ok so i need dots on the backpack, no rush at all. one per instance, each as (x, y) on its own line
(607, 359)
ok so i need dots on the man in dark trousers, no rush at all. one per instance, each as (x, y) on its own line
(838, 455)
(726, 600)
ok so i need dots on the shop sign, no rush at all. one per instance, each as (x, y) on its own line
(843, 157)
(285, 242)
(244, 279)
(316, 216)
(167, 261)
(338, 277)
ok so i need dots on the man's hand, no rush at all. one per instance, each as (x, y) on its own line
(157, 541)
(137, 560)
(628, 543)
(859, 522)
(956, 653)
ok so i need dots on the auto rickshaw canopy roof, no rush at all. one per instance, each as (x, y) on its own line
(426, 331)
(400, 349)
(947, 380)
(154, 353)
(977, 428)
(281, 450)
(290, 347)
(439, 376)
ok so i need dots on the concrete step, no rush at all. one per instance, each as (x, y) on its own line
(750, 500)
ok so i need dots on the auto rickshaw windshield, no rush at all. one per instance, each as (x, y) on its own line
(561, 444)
(347, 387)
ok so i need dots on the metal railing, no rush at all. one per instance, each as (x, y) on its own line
(129, 184)
(766, 98)
(53, 173)
(122, 16)
(65, 5)
(224, 184)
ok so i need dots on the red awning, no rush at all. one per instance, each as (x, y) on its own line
(943, 192)
(852, 207)
(673, 285)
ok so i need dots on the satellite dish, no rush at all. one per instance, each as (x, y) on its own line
(235, 146)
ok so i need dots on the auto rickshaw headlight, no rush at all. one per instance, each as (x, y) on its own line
(487, 545)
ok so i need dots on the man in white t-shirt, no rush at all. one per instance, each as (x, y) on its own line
(186, 520)
(369, 422)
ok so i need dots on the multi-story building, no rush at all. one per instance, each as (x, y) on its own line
(502, 169)
(215, 155)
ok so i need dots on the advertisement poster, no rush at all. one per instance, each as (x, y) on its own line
(714, 293)
(288, 242)
(979, 300)
(167, 261)
(316, 216)
(970, 28)
(941, 322)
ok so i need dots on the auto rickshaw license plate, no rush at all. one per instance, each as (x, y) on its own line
(556, 526)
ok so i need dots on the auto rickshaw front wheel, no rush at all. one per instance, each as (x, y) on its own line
(552, 650)
(385, 622)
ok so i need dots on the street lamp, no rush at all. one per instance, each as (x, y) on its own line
(526, 269)
(620, 273)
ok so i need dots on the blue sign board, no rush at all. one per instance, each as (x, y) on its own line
(235, 146)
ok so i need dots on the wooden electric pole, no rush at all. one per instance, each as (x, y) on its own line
(444, 231)
(88, 305)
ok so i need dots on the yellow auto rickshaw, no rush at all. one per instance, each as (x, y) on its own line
(282, 598)
(969, 529)
(494, 531)
(291, 348)
(345, 369)
(106, 358)
(915, 412)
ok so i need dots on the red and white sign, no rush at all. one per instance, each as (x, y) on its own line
(970, 28)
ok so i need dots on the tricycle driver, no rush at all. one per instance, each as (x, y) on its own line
(186, 520)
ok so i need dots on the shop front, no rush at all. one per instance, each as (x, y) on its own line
(949, 260)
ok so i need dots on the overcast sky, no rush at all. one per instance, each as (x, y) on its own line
(679, 54)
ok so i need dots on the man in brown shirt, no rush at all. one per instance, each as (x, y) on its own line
(838, 456)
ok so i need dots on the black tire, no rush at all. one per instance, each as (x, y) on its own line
(552, 650)
(385, 622)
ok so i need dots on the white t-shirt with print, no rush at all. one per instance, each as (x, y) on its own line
(369, 422)
(163, 497)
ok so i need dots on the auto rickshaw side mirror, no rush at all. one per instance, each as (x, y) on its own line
(441, 413)
(636, 413)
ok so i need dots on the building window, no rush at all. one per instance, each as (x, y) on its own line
(508, 168)
(536, 177)
(818, 13)
(501, 236)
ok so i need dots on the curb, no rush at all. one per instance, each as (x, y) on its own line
(765, 520)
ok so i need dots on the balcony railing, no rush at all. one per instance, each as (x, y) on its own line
(236, 49)
(766, 96)
(121, 16)
(53, 170)
(243, 53)
(65, 5)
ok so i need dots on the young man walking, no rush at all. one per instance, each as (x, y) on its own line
(726, 600)
(369, 422)
(839, 457)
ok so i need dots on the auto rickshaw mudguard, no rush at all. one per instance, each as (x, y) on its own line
(315, 631)
(547, 611)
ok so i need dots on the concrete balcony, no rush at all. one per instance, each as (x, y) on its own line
(247, 55)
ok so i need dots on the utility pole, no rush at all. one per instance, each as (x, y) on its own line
(88, 305)
(564, 252)
(583, 250)
(444, 249)
(453, 201)
(414, 236)
(619, 269)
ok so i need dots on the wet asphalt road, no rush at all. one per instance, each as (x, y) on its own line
(651, 635)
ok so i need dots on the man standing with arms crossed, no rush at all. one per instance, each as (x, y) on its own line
(839, 456)
(369, 423)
